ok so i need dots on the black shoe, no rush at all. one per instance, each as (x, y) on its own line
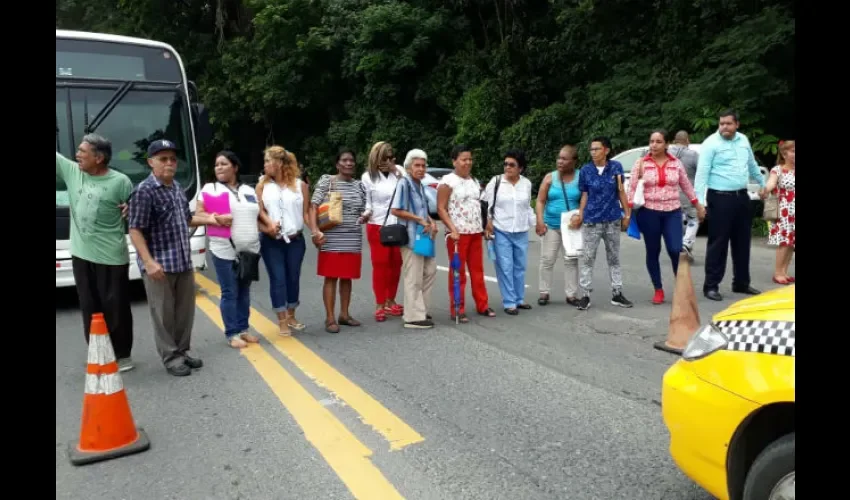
(179, 370)
(420, 325)
(747, 290)
(573, 301)
(583, 303)
(524, 306)
(621, 301)
(512, 311)
(192, 362)
(713, 295)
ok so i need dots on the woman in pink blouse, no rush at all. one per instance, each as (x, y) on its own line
(661, 214)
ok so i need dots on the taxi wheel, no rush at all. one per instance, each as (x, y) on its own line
(772, 476)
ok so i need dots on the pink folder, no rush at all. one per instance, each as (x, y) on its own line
(219, 205)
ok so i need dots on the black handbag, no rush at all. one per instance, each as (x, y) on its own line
(246, 266)
(394, 235)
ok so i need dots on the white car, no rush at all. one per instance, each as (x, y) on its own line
(628, 159)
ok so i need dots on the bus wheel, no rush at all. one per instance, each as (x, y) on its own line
(772, 476)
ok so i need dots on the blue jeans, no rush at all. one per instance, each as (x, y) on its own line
(655, 225)
(235, 301)
(283, 265)
(511, 258)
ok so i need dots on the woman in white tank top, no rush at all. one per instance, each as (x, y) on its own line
(237, 212)
(283, 198)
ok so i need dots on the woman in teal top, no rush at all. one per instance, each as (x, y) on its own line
(558, 193)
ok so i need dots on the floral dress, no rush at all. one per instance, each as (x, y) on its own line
(782, 231)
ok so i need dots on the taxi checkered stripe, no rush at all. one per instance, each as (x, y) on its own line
(770, 337)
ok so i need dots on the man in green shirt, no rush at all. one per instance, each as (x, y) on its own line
(100, 258)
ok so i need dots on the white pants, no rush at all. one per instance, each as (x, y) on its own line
(691, 223)
(551, 247)
(418, 275)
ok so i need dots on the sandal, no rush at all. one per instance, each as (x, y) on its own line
(395, 310)
(349, 321)
(544, 299)
(284, 328)
(513, 311)
(489, 312)
(236, 342)
(248, 337)
(781, 281)
(380, 315)
(524, 306)
(331, 327)
(572, 301)
(294, 323)
(460, 318)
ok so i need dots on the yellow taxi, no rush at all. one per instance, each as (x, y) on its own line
(729, 401)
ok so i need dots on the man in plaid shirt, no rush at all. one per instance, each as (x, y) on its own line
(159, 228)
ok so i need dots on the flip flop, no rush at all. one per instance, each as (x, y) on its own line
(662, 346)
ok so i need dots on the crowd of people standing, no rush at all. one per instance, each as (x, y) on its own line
(667, 195)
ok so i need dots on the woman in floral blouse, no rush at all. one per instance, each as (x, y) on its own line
(661, 214)
(783, 234)
(459, 206)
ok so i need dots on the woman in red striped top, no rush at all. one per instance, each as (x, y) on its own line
(661, 215)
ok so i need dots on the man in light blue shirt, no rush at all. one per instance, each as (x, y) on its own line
(726, 163)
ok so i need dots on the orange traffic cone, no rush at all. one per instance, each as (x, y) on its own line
(108, 430)
(684, 316)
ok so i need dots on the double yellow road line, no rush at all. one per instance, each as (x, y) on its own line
(341, 449)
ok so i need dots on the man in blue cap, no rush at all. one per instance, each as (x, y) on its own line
(159, 228)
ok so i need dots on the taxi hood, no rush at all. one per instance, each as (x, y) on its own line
(773, 305)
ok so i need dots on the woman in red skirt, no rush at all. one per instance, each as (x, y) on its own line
(340, 246)
(380, 182)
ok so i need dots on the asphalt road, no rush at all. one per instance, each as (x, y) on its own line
(552, 404)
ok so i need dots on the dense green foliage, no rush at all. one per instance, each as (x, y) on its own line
(314, 75)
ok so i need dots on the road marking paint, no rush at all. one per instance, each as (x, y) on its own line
(341, 449)
(486, 278)
(371, 412)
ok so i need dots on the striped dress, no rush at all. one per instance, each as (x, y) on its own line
(348, 236)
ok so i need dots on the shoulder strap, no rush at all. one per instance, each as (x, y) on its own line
(495, 193)
(564, 190)
(390, 207)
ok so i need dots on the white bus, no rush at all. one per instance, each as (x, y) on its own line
(131, 91)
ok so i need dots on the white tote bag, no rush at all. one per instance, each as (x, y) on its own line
(639, 200)
(571, 238)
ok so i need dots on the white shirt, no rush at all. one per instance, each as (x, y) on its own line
(285, 206)
(244, 230)
(378, 195)
(512, 209)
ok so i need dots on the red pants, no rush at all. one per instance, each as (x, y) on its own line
(386, 266)
(471, 250)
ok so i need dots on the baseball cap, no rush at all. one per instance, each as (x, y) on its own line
(161, 145)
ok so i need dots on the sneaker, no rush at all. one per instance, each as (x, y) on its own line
(619, 300)
(125, 364)
(420, 325)
(583, 303)
(658, 298)
(688, 252)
